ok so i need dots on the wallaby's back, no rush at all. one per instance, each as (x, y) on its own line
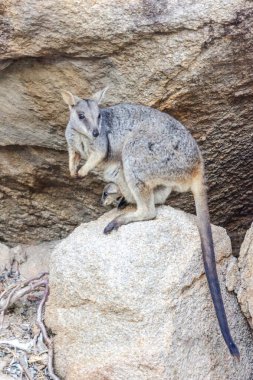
(122, 119)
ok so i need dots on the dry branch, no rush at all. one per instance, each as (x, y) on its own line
(13, 293)
(46, 338)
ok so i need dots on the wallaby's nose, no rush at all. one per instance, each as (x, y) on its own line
(95, 133)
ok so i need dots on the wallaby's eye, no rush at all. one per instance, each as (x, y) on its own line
(105, 194)
(81, 116)
(99, 116)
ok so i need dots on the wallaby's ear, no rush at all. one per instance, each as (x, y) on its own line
(98, 96)
(69, 98)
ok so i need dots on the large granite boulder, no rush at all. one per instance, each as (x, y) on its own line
(191, 59)
(135, 304)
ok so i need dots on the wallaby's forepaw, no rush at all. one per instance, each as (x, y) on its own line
(81, 173)
(73, 174)
(113, 225)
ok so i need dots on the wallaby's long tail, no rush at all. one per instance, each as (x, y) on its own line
(200, 197)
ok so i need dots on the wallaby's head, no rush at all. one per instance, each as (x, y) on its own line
(85, 115)
(111, 195)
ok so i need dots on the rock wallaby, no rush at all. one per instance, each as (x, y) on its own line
(142, 149)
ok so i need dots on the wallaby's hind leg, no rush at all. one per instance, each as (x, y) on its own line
(144, 198)
(161, 194)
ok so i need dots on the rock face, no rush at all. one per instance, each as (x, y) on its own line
(189, 59)
(5, 257)
(240, 276)
(135, 304)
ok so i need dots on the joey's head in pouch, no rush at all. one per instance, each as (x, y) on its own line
(112, 196)
(85, 116)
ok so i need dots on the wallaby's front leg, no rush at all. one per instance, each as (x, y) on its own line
(94, 159)
(74, 160)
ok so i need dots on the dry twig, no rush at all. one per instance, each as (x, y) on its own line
(9, 297)
(25, 369)
(17, 291)
(32, 283)
(46, 338)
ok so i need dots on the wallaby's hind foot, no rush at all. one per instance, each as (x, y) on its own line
(113, 225)
(129, 218)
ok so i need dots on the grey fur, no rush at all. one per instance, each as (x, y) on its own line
(141, 150)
